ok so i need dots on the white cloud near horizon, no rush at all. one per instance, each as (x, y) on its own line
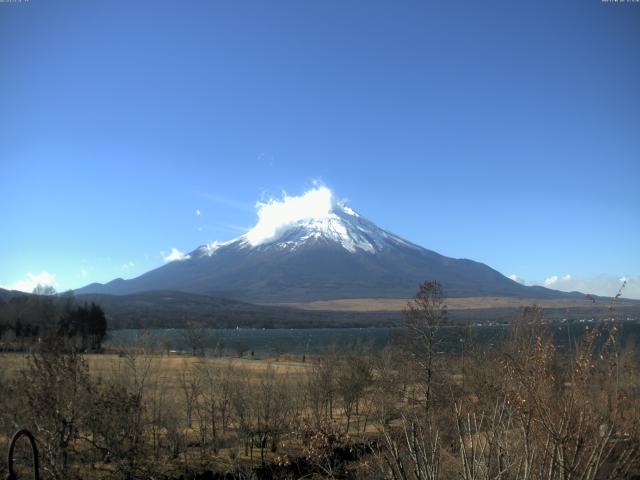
(554, 280)
(31, 281)
(601, 285)
(175, 256)
(604, 285)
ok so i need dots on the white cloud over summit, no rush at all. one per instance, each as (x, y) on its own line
(275, 216)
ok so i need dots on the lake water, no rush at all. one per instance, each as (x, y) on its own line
(312, 341)
(262, 341)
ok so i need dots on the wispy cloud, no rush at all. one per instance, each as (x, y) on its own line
(128, 265)
(214, 226)
(235, 228)
(228, 202)
(198, 212)
(266, 158)
(175, 256)
(31, 281)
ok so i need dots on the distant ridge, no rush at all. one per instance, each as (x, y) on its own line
(172, 309)
(6, 295)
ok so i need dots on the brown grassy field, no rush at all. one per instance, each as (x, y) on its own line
(168, 367)
(468, 303)
(165, 382)
(170, 416)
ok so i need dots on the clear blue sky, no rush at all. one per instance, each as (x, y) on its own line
(506, 132)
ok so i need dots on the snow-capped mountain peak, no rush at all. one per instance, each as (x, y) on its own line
(313, 217)
(332, 227)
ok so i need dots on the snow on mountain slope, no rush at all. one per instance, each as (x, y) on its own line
(315, 216)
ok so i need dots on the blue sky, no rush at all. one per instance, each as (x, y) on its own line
(505, 132)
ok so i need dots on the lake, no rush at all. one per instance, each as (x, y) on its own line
(313, 341)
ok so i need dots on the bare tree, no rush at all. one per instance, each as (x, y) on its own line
(272, 405)
(190, 385)
(196, 337)
(410, 453)
(321, 386)
(424, 315)
(117, 424)
(353, 378)
(56, 388)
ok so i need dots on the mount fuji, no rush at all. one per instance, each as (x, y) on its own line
(312, 248)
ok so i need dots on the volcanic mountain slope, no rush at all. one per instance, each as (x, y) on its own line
(319, 250)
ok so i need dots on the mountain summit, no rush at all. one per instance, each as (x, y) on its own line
(313, 247)
(336, 225)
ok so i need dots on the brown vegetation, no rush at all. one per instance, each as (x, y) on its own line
(520, 410)
(460, 303)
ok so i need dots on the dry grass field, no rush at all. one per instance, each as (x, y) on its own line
(104, 364)
(468, 303)
(142, 413)
(171, 382)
